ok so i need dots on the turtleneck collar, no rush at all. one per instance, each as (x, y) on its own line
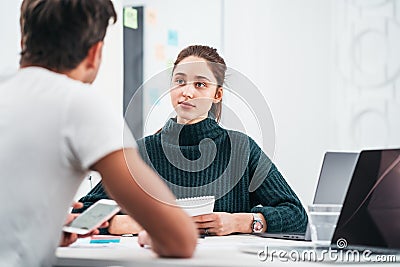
(191, 134)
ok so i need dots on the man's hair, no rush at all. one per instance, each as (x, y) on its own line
(57, 34)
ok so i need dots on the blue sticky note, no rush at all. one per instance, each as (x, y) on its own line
(104, 241)
(172, 38)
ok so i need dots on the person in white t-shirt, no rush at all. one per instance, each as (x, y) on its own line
(54, 128)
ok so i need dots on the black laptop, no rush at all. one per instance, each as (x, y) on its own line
(370, 216)
(335, 175)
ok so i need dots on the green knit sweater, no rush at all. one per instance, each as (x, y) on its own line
(205, 159)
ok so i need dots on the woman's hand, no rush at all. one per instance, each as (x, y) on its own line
(222, 223)
(123, 224)
(69, 238)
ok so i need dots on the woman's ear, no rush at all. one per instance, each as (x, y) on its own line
(218, 95)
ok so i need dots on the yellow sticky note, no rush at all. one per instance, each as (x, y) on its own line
(130, 18)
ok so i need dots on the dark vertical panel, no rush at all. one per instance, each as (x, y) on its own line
(133, 73)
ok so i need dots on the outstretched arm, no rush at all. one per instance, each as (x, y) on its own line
(143, 195)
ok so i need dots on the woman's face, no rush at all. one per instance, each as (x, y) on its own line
(193, 90)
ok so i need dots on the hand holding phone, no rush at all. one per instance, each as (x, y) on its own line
(93, 217)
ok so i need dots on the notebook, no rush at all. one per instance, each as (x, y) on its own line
(335, 175)
(195, 206)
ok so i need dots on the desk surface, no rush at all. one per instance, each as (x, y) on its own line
(211, 251)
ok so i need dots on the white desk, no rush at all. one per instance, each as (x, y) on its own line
(211, 251)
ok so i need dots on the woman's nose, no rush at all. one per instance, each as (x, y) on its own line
(187, 90)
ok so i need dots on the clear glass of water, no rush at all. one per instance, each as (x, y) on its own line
(323, 219)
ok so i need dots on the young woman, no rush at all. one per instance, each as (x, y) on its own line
(196, 156)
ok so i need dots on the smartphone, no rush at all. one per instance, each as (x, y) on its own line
(93, 217)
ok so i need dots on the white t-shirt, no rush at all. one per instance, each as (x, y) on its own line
(52, 129)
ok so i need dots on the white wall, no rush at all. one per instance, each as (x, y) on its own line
(10, 32)
(110, 77)
(285, 48)
(367, 73)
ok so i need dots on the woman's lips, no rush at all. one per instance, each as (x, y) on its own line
(186, 104)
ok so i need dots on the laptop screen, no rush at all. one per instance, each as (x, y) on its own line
(336, 172)
(371, 211)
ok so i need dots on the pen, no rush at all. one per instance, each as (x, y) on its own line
(128, 235)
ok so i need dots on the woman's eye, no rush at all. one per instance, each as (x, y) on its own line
(199, 84)
(180, 81)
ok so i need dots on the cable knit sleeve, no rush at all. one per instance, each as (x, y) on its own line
(272, 196)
